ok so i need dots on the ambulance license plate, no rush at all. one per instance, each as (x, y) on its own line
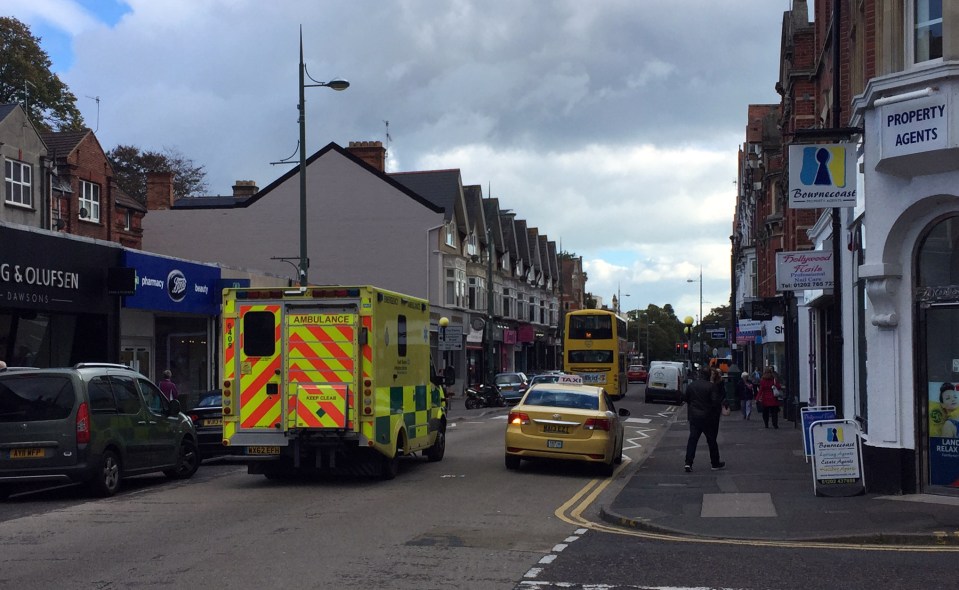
(26, 453)
(554, 444)
(263, 450)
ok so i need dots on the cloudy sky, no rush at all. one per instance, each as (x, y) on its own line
(610, 125)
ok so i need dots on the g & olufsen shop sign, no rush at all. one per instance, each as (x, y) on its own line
(55, 273)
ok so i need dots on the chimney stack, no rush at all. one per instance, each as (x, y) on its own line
(371, 152)
(159, 191)
(245, 188)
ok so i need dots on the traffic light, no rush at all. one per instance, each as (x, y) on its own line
(685, 345)
(679, 347)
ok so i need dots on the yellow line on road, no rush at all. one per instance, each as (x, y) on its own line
(572, 510)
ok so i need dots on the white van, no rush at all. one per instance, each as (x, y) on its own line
(666, 381)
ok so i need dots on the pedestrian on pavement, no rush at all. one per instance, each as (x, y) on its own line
(768, 386)
(704, 399)
(168, 387)
(746, 394)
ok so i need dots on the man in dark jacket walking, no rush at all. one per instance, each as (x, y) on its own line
(704, 400)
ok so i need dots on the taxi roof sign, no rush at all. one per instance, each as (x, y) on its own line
(570, 379)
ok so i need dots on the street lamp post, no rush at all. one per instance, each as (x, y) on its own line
(700, 281)
(335, 84)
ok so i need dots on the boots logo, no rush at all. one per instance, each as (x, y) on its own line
(176, 286)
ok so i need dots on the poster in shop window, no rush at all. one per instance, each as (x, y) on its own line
(943, 434)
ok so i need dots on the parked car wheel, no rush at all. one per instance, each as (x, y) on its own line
(106, 480)
(512, 462)
(187, 463)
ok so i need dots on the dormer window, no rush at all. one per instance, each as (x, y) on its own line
(451, 234)
(471, 248)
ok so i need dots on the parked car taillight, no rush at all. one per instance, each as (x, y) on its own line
(83, 424)
(596, 424)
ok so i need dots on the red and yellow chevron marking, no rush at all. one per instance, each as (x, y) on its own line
(229, 373)
(321, 406)
(366, 426)
(321, 355)
(257, 409)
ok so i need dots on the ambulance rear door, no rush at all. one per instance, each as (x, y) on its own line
(321, 365)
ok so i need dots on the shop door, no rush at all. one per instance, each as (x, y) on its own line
(938, 398)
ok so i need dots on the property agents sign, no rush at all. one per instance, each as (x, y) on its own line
(837, 458)
(914, 126)
(808, 269)
(822, 176)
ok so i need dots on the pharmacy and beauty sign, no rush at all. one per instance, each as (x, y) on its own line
(822, 175)
(806, 269)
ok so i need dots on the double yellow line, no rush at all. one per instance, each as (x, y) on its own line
(572, 511)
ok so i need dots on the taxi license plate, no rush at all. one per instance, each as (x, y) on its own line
(554, 444)
(213, 422)
(272, 450)
(557, 428)
(26, 453)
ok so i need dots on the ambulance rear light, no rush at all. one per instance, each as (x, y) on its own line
(334, 293)
(260, 294)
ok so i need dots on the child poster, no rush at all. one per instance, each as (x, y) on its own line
(943, 434)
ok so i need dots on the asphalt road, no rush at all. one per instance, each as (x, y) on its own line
(465, 522)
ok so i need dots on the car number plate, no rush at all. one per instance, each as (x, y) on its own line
(271, 450)
(594, 377)
(557, 428)
(658, 384)
(26, 453)
(213, 422)
(554, 444)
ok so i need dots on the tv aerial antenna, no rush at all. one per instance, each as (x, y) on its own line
(96, 98)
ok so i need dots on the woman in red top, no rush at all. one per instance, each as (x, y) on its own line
(767, 398)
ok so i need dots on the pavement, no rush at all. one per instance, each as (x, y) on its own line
(766, 492)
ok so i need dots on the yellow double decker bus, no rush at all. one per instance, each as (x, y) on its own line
(594, 347)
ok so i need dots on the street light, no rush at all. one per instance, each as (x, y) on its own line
(700, 281)
(335, 84)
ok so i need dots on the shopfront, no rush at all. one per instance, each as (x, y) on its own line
(169, 322)
(55, 310)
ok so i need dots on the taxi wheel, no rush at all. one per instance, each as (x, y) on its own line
(607, 469)
(512, 462)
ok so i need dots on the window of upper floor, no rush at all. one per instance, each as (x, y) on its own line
(471, 248)
(89, 201)
(451, 234)
(504, 262)
(924, 31)
(127, 220)
(18, 183)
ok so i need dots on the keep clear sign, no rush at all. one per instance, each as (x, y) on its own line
(837, 458)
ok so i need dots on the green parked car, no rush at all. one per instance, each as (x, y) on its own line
(92, 424)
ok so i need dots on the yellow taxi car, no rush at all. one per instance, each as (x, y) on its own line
(566, 420)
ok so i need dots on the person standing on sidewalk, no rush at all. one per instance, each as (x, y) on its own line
(768, 386)
(704, 399)
(168, 387)
(746, 394)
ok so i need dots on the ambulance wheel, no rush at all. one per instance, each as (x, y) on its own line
(436, 452)
(390, 467)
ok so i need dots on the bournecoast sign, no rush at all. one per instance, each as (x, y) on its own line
(822, 175)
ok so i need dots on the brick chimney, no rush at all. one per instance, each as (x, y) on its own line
(159, 191)
(371, 152)
(245, 188)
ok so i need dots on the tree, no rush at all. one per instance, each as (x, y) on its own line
(25, 78)
(131, 165)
